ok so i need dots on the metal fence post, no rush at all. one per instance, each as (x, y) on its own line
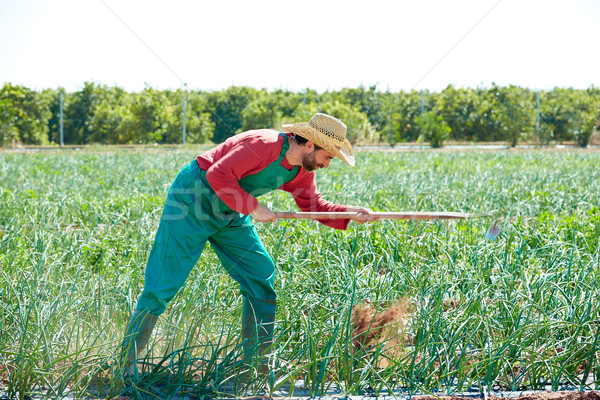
(537, 121)
(62, 142)
(184, 115)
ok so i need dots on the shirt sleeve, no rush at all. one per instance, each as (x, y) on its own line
(308, 199)
(245, 158)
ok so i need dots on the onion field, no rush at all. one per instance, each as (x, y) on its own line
(459, 312)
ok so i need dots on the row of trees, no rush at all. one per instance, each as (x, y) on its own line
(110, 115)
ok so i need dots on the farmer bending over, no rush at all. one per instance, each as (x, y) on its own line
(211, 200)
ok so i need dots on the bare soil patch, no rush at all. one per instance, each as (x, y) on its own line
(564, 395)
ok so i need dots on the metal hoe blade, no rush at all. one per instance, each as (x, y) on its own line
(494, 230)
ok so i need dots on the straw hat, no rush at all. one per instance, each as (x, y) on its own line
(327, 132)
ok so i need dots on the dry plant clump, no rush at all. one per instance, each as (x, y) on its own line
(450, 304)
(371, 327)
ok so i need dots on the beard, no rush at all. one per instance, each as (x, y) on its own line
(309, 162)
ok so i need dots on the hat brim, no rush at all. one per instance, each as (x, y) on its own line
(344, 152)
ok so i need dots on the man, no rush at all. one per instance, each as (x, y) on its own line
(211, 200)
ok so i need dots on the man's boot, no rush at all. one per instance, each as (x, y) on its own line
(258, 321)
(136, 339)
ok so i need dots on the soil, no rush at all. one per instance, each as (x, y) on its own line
(593, 395)
(576, 395)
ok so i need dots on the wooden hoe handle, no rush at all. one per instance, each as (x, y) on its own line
(380, 215)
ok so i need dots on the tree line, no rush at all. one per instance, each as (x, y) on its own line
(100, 114)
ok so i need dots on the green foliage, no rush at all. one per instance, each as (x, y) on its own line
(227, 108)
(261, 112)
(405, 110)
(23, 113)
(286, 101)
(199, 126)
(370, 102)
(78, 112)
(53, 99)
(515, 114)
(434, 129)
(495, 114)
(515, 314)
(108, 123)
(151, 117)
(100, 114)
(464, 110)
(587, 116)
(271, 110)
(109, 115)
(570, 114)
(359, 131)
(8, 130)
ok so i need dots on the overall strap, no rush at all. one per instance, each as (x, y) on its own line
(284, 147)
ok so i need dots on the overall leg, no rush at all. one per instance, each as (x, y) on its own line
(171, 260)
(178, 244)
(244, 257)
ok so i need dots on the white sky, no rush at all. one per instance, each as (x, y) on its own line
(324, 44)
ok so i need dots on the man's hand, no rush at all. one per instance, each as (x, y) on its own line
(364, 214)
(262, 213)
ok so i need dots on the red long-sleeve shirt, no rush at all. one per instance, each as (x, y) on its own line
(249, 153)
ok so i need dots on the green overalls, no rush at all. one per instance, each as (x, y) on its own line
(194, 214)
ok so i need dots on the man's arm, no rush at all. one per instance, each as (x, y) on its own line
(304, 190)
(246, 157)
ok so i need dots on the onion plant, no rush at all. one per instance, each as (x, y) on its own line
(521, 312)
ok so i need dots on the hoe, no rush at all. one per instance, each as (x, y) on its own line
(491, 234)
